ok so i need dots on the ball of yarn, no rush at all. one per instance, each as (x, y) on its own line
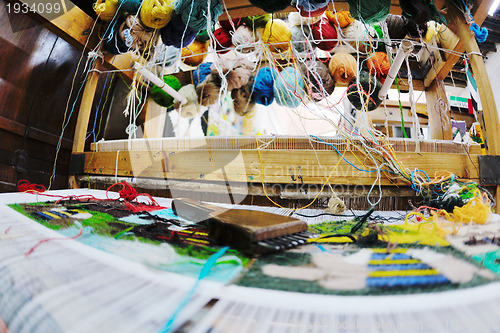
(317, 12)
(129, 6)
(113, 42)
(320, 83)
(238, 77)
(257, 21)
(195, 13)
(325, 35)
(203, 36)
(263, 86)
(176, 33)
(208, 91)
(369, 11)
(300, 37)
(289, 88)
(341, 19)
(156, 13)
(312, 5)
(195, 53)
(190, 109)
(357, 35)
(417, 11)
(231, 25)
(368, 88)
(378, 64)
(242, 99)
(106, 9)
(243, 39)
(342, 66)
(160, 96)
(223, 40)
(295, 19)
(396, 26)
(136, 35)
(414, 30)
(278, 35)
(201, 72)
(271, 6)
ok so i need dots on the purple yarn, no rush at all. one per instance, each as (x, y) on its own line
(263, 86)
(201, 72)
(172, 33)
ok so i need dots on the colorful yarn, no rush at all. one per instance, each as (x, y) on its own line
(243, 38)
(299, 37)
(160, 96)
(289, 88)
(325, 35)
(295, 19)
(342, 19)
(271, 6)
(476, 210)
(106, 9)
(129, 6)
(357, 35)
(203, 36)
(208, 91)
(319, 81)
(342, 66)
(263, 86)
(136, 35)
(318, 12)
(242, 99)
(277, 34)
(481, 33)
(368, 88)
(194, 54)
(201, 72)
(114, 43)
(369, 11)
(396, 26)
(236, 68)
(257, 21)
(231, 25)
(312, 5)
(194, 13)
(223, 40)
(190, 109)
(177, 34)
(378, 64)
(156, 13)
(168, 56)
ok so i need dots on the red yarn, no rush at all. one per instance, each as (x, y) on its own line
(314, 13)
(325, 34)
(226, 24)
(25, 186)
(129, 194)
(379, 65)
(223, 40)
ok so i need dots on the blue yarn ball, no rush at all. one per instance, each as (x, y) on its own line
(113, 42)
(194, 13)
(129, 6)
(263, 86)
(481, 33)
(173, 32)
(312, 5)
(289, 88)
(201, 72)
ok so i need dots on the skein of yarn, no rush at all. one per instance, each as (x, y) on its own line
(289, 88)
(160, 96)
(295, 19)
(263, 86)
(190, 109)
(168, 55)
(223, 40)
(319, 81)
(129, 6)
(357, 35)
(257, 21)
(378, 64)
(137, 36)
(420, 11)
(271, 6)
(231, 25)
(242, 99)
(342, 19)
(342, 66)
(300, 37)
(365, 94)
(106, 9)
(195, 53)
(156, 13)
(369, 11)
(208, 91)
(325, 35)
(177, 34)
(396, 26)
(277, 35)
(201, 72)
(113, 42)
(194, 13)
(244, 39)
(312, 5)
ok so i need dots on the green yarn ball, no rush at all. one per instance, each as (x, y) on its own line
(257, 21)
(161, 97)
(369, 11)
(370, 86)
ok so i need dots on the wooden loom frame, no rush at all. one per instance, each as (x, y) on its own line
(72, 26)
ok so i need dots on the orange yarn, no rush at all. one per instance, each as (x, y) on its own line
(379, 65)
(342, 66)
(194, 54)
(342, 19)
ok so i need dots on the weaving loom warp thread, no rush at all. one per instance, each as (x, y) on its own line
(161, 97)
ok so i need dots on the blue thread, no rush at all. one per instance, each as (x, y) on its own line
(481, 33)
(129, 40)
(205, 270)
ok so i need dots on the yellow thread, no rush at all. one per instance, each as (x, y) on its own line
(412, 272)
(156, 13)
(106, 9)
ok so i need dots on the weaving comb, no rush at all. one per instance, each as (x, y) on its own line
(250, 231)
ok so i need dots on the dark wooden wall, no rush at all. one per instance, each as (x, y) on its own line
(36, 72)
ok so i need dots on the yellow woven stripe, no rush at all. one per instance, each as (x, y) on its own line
(330, 240)
(62, 212)
(394, 262)
(197, 240)
(413, 272)
(54, 216)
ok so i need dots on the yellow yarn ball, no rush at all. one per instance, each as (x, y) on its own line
(106, 9)
(157, 13)
(194, 54)
(342, 19)
(342, 66)
(278, 35)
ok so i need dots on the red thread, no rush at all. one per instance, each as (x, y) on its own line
(25, 186)
(129, 194)
(7, 230)
(51, 239)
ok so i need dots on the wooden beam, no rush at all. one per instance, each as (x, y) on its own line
(439, 112)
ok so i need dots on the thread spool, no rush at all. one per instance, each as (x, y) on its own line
(277, 35)
(271, 6)
(242, 99)
(129, 6)
(106, 9)
(289, 88)
(223, 40)
(244, 39)
(190, 108)
(325, 35)
(342, 66)
(257, 21)
(195, 13)
(396, 26)
(357, 35)
(114, 43)
(299, 37)
(319, 81)
(208, 91)
(369, 88)
(161, 97)
(369, 11)
(341, 19)
(156, 13)
(263, 86)
(194, 54)
(295, 19)
(378, 64)
(177, 34)
(201, 72)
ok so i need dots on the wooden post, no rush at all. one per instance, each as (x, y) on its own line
(438, 111)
